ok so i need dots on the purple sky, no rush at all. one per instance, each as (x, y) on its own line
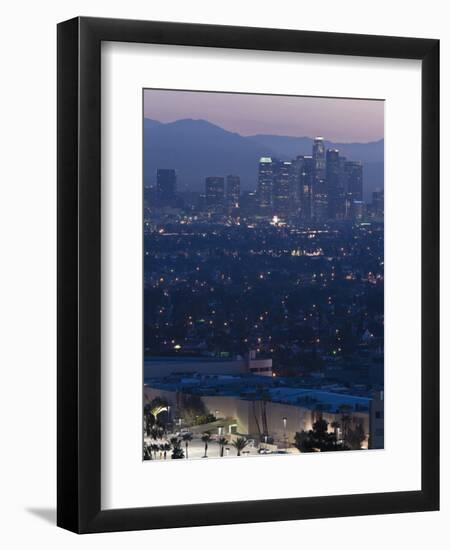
(343, 120)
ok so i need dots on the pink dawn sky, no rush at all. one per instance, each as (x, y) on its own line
(339, 120)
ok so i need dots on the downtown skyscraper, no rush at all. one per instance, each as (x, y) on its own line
(320, 194)
(233, 192)
(166, 186)
(266, 173)
(335, 182)
(318, 187)
(215, 193)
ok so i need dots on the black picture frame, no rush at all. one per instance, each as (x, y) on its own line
(79, 280)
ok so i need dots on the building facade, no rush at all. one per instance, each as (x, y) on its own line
(233, 192)
(215, 193)
(266, 174)
(166, 186)
(320, 194)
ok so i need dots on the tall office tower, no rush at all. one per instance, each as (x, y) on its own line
(357, 210)
(378, 204)
(265, 183)
(297, 166)
(306, 188)
(354, 179)
(233, 192)
(215, 193)
(353, 171)
(344, 186)
(335, 185)
(320, 196)
(249, 202)
(302, 186)
(282, 187)
(166, 186)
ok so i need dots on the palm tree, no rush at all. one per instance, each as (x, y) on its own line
(151, 412)
(147, 452)
(239, 444)
(155, 448)
(147, 420)
(319, 439)
(335, 425)
(177, 451)
(265, 397)
(154, 411)
(346, 419)
(166, 448)
(155, 433)
(162, 450)
(356, 436)
(186, 438)
(206, 437)
(222, 442)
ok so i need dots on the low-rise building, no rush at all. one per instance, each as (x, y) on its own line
(251, 406)
(159, 367)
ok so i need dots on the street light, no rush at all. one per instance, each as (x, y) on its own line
(285, 436)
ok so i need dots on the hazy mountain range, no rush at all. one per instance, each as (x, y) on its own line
(197, 149)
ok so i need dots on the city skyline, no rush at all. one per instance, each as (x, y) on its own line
(263, 293)
(318, 187)
(335, 119)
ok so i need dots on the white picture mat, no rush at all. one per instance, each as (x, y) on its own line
(126, 480)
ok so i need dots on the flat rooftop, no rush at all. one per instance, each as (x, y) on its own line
(254, 387)
(189, 359)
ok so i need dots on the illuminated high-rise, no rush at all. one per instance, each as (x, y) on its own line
(335, 178)
(214, 193)
(353, 171)
(282, 187)
(233, 192)
(266, 175)
(302, 195)
(354, 177)
(320, 195)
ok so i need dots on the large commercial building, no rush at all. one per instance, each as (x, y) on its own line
(160, 367)
(357, 210)
(320, 194)
(266, 175)
(166, 186)
(335, 185)
(354, 179)
(215, 193)
(248, 407)
(378, 204)
(233, 192)
(303, 195)
(282, 196)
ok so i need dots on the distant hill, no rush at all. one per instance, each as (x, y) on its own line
(292, 146)
(197, 149)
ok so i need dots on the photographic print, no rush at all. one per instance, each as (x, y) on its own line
(221, 260)
(263, 294)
